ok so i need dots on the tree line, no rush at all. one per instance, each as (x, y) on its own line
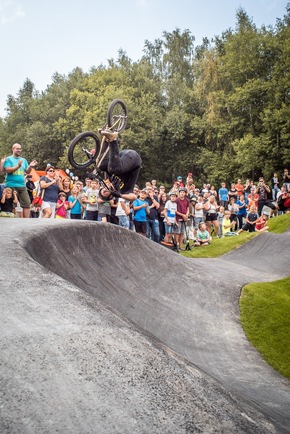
(220, 110)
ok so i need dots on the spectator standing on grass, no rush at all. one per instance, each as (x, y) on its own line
(161, 214)
(223, 196)
(182, 215)
(233, 192)
(15, 168)
(240, 188)
(211, 217)
(221, 214)
(242, 212)
(233, 208)
(198, 213)
(275, 186)
(170, 221)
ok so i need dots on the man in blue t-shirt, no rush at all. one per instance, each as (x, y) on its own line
(16, 167)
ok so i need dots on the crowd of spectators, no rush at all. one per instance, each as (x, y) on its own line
(182, 211)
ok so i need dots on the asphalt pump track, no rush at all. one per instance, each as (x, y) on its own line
(105, 331)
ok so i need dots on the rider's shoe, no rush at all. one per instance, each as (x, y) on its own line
(111, 136)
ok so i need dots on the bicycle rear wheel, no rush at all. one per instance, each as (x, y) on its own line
(117, 115)
(83, 150)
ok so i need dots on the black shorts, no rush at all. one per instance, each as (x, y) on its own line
(140, 227)
(248, 227)
(211, 217)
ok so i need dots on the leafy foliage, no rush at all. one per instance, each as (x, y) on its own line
(220, 110)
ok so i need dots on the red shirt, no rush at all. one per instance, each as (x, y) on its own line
(182, 206)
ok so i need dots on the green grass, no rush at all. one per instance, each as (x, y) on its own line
(264, 307)
(279, 224)
(220, 246)
(265, 317)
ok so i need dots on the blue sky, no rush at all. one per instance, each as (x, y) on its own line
(39, 38)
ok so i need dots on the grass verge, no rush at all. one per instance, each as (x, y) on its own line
(265, 317)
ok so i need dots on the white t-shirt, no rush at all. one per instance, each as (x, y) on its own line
(120, 210)
(171, 208)
(92, 196)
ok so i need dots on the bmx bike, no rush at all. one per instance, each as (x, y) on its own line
(86, 149)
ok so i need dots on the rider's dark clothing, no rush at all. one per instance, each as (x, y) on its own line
(123, 167)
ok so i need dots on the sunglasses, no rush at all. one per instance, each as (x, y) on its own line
(51, 170)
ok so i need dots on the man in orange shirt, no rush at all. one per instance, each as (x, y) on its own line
(240, 188)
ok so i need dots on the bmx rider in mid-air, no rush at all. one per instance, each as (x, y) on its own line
(122, 167)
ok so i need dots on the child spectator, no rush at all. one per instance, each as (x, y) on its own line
(91, 199)
(262, 223)
(141, 209)
(233, 208)
(75, 204)
(227, 225)
(123, 212)
(104, 209)
(251, 221)
(61, 206)
(170, 217)
(242, 212)
(221, 215)
(8, 199)
(202, 236)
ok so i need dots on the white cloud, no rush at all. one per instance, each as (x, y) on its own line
(10, 12)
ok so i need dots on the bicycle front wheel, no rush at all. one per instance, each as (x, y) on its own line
(83, 150)
(117, 115)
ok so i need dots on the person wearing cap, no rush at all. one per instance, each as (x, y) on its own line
(182, 215)
(170, 217)
(179, 180)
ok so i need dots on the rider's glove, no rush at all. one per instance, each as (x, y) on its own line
(116, 193)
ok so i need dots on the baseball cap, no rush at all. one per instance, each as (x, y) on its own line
(179, 177)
